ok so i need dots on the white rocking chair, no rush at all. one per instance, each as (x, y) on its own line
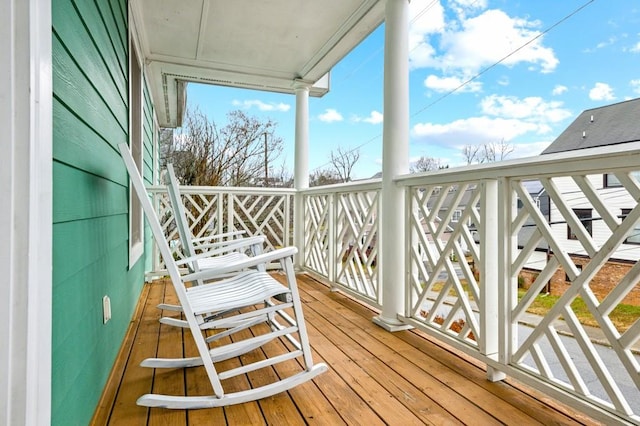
(215, 250)
(248, 288)
(206, 252)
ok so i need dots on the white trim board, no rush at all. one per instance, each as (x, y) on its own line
(26, 216)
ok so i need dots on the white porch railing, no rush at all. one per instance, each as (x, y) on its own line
(473, 235)
(475, 231)
(216, 210)
(341, 229)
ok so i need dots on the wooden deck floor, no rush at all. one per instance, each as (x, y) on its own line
(374, 377)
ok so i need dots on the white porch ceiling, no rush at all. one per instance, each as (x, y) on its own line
(259, 44)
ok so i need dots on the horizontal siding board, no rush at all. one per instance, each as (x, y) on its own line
(117, 29)
(91, 200)
(85, 242)
(84, 346)
(79, 44)
(80, 145)
(80, 195)
(72, 88)
(147, 135)
(615, 199)
(119, 13)
(110, 57)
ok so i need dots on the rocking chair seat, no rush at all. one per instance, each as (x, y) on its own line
(244, 289)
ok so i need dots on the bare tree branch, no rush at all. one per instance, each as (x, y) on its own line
(488, 152)
(343, 161)
(237, 154)
(471, 153)
(426, 164)
(324, 177)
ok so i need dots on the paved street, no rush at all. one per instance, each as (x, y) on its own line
(609, 357)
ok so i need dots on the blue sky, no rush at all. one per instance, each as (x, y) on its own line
(562, 57)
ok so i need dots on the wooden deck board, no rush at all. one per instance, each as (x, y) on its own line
(453, 389)
(374, 377)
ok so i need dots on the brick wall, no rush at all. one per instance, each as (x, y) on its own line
(604, 281)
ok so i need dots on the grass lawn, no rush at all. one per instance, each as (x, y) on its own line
(623, 316)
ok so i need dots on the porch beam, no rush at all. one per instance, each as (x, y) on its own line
(395, 161)
(301, 167)
(26, 213)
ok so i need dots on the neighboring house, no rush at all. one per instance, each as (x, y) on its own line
(604, 126)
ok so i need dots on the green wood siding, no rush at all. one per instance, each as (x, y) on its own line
(91, 200)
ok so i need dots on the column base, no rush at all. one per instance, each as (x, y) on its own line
(495, 375)
(390, 324)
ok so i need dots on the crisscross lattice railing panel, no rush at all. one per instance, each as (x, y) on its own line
(317, 237)
(213, 211)
(579, 237)
(443, 257)
(356, 226)
(262, 214)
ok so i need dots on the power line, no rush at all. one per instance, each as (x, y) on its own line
(484, 70)
(480, 73)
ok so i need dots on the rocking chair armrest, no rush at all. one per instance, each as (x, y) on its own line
(236, 243)
(219, 236)
(260, 259)
(246, 242)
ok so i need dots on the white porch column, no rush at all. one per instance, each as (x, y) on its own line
(301, 173)
(26, 213)
(395, 161)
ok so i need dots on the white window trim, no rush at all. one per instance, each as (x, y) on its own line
(136, 248)
(26, 217)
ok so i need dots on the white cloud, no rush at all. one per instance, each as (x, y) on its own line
(559, 90)
(533, 109)
(374, 118)
(424, 22)
(470, 44)
(464, 7)
(635, 48)
(503, 118)
(330, 115)
(492, 36)
(601, 92)
(635, 85)
(531, 149)
(447, 84)
(474, 131)
(262, 106)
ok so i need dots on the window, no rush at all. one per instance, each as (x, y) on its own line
(566, 276)
(136, 230)
(634, 234)
(457, 214)
(584, 215)
(610, 181)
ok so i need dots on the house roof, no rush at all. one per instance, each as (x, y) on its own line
(603, 126)
(264, 45)
(533, 187)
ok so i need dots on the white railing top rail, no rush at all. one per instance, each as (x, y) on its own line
(614, 158)
(250, 190)
(361, 185)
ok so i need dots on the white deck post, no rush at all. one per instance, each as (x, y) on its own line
(301, 174)
(26, 213)
(395, 161)
(490, 279)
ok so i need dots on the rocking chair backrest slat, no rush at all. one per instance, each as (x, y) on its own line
(180, 214)
(163, 246)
